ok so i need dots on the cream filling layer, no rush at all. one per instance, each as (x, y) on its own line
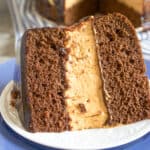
(84, 97)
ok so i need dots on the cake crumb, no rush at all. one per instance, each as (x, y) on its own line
(14, 95)
(82, 108)
(13, 103)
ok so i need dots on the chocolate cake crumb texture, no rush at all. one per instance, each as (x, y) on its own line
(46, 82)
(122, 66)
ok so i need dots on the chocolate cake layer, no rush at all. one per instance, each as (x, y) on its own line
(44, 81)
(125, 85)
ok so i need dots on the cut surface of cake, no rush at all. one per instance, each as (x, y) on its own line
(89, 75)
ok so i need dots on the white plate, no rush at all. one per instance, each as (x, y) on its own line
(86, 139)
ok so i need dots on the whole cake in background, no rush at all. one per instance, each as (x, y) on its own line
(70, 11)
(66, 11)
(89, 75)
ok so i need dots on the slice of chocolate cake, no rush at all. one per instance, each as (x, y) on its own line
(88, 75)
